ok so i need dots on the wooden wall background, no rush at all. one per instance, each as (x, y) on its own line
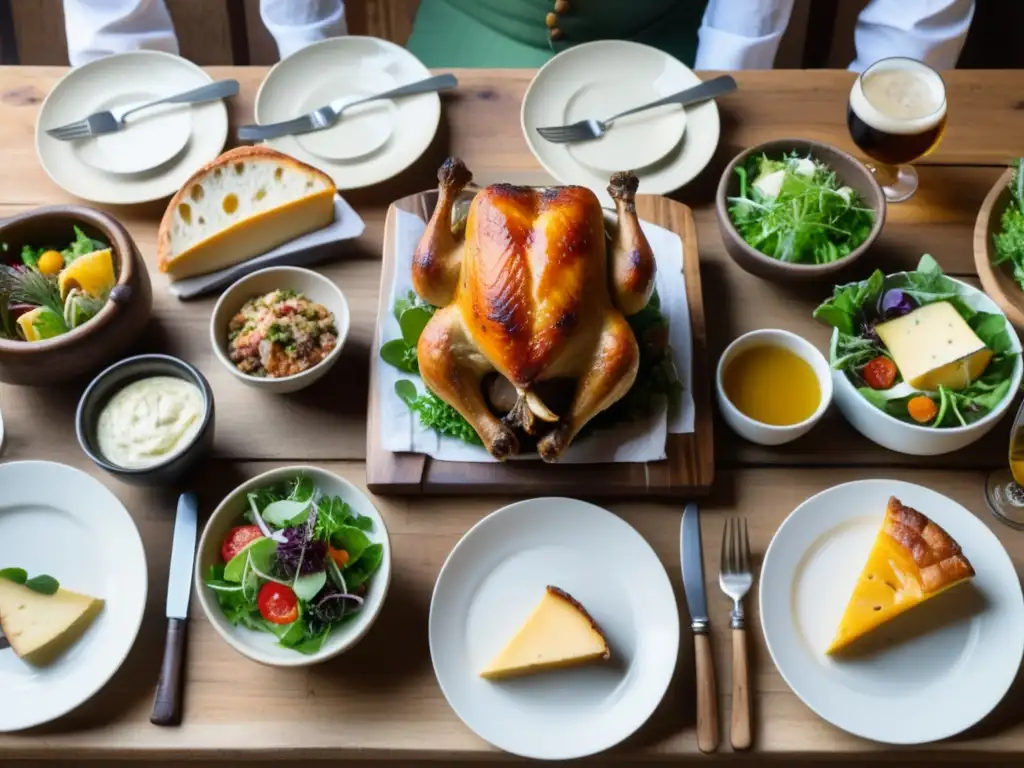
(213, 32)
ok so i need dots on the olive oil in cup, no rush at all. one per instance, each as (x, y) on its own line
(772, 386)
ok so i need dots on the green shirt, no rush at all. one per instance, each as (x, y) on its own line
(514, 33)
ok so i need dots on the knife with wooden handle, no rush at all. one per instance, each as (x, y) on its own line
(167, 704)
(696, 600)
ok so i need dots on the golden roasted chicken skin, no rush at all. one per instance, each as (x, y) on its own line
(531, 288)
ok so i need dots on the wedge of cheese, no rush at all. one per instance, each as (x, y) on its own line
(41, 627)
(243, 204)
(913, 560)
(933, 346)
(559, 633)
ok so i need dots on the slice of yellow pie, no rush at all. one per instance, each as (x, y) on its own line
(559, 633)
(912, 560)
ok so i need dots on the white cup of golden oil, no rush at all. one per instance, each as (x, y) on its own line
(772, 386)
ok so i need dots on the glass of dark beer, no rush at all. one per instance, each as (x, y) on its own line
(897, 114)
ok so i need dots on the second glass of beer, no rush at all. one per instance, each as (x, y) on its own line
(897, 114)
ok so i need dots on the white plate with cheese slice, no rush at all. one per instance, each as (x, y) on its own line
(60, 522)
(492, 609)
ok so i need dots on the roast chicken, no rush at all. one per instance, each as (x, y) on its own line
(531, 288)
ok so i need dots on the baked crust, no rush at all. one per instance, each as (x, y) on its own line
(563, 595)
(163, 241)
(935, 552)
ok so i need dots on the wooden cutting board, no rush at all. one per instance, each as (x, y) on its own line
(688, 470)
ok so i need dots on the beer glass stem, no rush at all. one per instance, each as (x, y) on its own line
(898, 182)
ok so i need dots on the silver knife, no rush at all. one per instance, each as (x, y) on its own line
(325, 117)
(693, 583)
(167, 705)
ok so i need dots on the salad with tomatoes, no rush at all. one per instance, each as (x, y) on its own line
(297, 564)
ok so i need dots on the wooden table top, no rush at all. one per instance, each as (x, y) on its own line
(381, 700)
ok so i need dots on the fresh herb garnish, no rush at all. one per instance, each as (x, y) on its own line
(795, 210)
(434, 413)
(1009, 242)
(27, 285)
(82, 245)
(43, 584)
(17, 575)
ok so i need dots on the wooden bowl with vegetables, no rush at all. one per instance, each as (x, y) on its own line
(74, 294)
(796, 209)
(999, 245)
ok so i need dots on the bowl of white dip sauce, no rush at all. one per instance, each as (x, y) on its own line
(147, 420)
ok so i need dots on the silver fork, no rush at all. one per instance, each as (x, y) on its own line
(326, 116)
(736, 577)
(585, 130)
(112, 120)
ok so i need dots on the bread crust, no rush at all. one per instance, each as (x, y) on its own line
(935, 552)
(563, 595)
(163, 242)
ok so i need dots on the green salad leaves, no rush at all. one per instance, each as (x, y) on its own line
(1009, 243)
(795, 210)
(81, 245)
(300, 569)
(856, 309)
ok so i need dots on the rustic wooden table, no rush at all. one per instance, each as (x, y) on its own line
(381, 700)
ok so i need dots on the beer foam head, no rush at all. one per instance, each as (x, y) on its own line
(902, 96)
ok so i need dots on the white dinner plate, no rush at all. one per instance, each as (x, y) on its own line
(59, 521)
(492, 581)
(666, 147)
(964, 647)
(157, 150)
(370, 143)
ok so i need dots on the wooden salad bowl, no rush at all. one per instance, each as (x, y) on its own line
(997, 280)
(105, 337)
(849, 170)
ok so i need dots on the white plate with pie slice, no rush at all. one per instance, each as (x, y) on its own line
(157, 150)
(58, 521)
(896, 684)
(491, 583)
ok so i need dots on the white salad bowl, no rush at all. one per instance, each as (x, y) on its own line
(263, 646)
(919, 440)
(757, 431)
(313, 286)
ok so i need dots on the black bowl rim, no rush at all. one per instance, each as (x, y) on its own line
(197, 378)
(785, 266)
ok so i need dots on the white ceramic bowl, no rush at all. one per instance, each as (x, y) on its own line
(262, 646)
(756, 431)
(310, 284)
(916, 440)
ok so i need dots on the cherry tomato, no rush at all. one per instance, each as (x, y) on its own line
(237, 539)
(340, 556)
(880, 373)
(277, 603)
